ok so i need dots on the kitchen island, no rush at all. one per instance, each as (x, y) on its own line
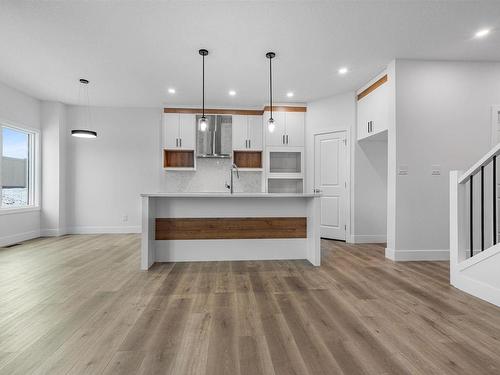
(179, 227)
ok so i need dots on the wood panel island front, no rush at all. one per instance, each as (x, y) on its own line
(179, 227)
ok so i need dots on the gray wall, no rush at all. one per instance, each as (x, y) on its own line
(443, 117)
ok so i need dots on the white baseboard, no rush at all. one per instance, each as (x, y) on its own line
(103, 230)
(19, 237)
(477, 288)
(368, 238)
(416, 255)
(56, 232)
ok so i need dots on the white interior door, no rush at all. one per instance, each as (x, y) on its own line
(330, 177)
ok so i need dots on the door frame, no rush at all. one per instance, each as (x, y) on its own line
(348, 203)
(495, 109)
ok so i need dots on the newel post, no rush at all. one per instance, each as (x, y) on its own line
(457, 223)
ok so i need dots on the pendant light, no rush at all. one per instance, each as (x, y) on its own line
(203, 120)
(270, 123)
(84, 91)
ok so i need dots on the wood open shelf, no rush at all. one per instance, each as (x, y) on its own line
(248, 159)
(178, 159)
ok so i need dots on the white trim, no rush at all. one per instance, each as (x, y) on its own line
(368, 238)
(416, 255)
(477, 289)
(495, 109)
(53, 232)
(478, 257)
(103, 230)
(34, 161)
(19, 237)
(18, 210)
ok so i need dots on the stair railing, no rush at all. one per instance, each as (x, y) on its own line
(467, 233)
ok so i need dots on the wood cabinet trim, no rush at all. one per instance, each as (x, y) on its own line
(284, 108)
(230, 228)
(215, 111)
(248, 112)
(372, 87)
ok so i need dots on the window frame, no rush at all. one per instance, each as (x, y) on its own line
(34, 167)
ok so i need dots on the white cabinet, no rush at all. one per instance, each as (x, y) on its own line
(179, 131)
(294, 128)
(170, 130)
(255, 133)
(289, 129)
(240, 132)
(247, 133)
(275, 138)
(373, 112)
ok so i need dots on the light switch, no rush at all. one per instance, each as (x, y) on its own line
(436, 170)
(403, 170)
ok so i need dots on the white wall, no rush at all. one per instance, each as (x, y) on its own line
(53, 214)
(105, 175)
(443, 117)
(368, 166)
(19, 109)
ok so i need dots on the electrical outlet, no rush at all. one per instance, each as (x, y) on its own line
(403, 170)
(125, 218)
(436, 170)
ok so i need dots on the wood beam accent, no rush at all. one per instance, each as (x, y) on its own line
(230, 228)
(215, 111)
(372, 87)
(178, 159)
(223, 111)
(248, 159)
(284, 108)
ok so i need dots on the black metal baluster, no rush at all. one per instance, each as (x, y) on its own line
(471, 216)
(494, 200)
(482, 208)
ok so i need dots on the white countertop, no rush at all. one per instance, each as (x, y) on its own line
(228, 195)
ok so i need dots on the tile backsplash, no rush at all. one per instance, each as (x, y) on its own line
(210, 176)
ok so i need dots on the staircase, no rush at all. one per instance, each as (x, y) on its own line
(474, 230)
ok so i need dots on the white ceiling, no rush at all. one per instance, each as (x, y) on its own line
(132, 51)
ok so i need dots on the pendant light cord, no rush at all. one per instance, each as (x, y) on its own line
(271, 87)
(203, 89)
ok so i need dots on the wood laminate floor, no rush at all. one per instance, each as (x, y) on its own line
(80, 305)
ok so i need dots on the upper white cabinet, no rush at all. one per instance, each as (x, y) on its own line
(247, 133)
(294, 128)
(179, 131)
(373, 108)
(277, 137)
(289, 129)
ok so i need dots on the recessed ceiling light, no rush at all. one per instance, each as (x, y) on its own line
(343, 70)
(289, 94)
(171, 90)
(232, 92)
(482, 33)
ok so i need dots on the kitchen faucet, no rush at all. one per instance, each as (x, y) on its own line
(234, 167)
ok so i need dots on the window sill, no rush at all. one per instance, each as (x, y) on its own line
(18, 210)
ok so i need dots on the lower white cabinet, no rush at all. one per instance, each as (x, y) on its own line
(284, 169)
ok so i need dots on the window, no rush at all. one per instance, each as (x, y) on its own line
(17, 167)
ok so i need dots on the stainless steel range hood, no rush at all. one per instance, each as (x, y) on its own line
(216, 140)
